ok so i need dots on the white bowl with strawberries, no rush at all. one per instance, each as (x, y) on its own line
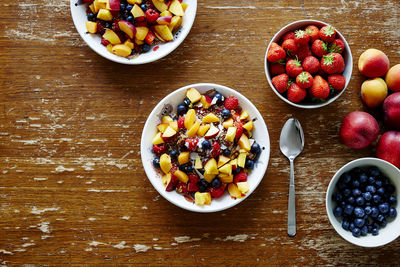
(205, 147)
(308, 64)
(133, 31)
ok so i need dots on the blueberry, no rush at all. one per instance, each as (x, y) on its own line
(345, 225)
(188, 168)
(367, 210)
(108, 24)
(356, 171)
(356, 232)
(143, 7)
(351, 226)
(376, 198)
(206, 144)
(367, 196)
(370, 228)
(345, 178)
(383, 223)
(249, 164)
(225, 113)
(122, 7)
(341, 186)
(374, 172)
(342, 204)
(360, 201)
(363, 178)
(359, 222)
(236, 171)
(130, 19)
(129, 7)
(392, 212)
(380, 218)
(216, 182)
(390, 189)
(351, 200)
(348, 209)
(378, 183)
(187, 101)
(204, 183)
(356, 192)
(392, 200)
(202, 188)
(371, 189)
(91, 16)
(371, 180)
(375, 231)
(146, 48)
(346, 192)
(219, 97)
(181, 109)
(374, 212)
(356, 183)
(337, 197)
(338, 212)
(384, 208)
(173, 153)
(226, 152)
(364, 230)
(359, 212)
(255, 149)
(156, 162)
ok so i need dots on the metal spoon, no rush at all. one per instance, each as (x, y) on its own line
(291, 144)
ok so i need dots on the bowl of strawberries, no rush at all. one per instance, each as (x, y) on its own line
(308, 64)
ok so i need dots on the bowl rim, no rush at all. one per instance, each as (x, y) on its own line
(330, 189)
(135, 61)
(310, 106)
(195, 208)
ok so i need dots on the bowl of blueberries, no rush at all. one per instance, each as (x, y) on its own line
(362, 202)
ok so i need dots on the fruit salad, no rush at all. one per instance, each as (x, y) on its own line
(206, 148)
(307, 65)
(365, 200)
(130, 27)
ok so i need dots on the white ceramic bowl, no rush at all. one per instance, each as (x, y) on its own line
(260, 135)
(93, 40)
(386, 234)
(347, 56)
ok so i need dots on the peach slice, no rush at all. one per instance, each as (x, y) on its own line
(169, 132)
(190, 118)
(162, 127)
(113, 5)
(204, 102)
(129, 44)
(164, 32)
(241, 160)
(141, 32)
(171, 182)
(211, 167)
(226, 178)
(127, 28)
(137, 12)
(222, 160)
(243, 187)
(166, 119)
(158, 139)
(98, 5)
(166, 13)
(212, 132)
(165, 163)
(105, 14)
(176, 8)
(175, 23)
(193, 95)
(91, 26)
(226, 169)
(209, 177)
(203, 129)
(202, 199)
(160, 5)
(165, 20)
(244, 142)
(234, 191)
(228, 123)
(210, 117)
(183, 157)
(248, 126)
(193, 130)
(112, 37)
(181, 176)
(174, 125)
(230, 134)
(121, 50)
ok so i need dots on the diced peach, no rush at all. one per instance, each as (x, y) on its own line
(244, 115)
(105, 14)
(176, 8)
(193, 95)
(243, 187)
(174, 125)
(190, 118)
(244, 142)
(139, 42)
(109, 48)
(241, 160)
(91, 26)
(212, 132)
(162, 126)
(158, 139)
(175, 23)
(121, 50)
(226, 169)
(204, 102)
(164, 32)
(98, 5)
(165, 20)
(202, 199)
(184, 6)
(193, 130)
(160, 5)
(209, 177)
(181, 176)
(165, 163)
(248, 126)
(166, 119)
(127, 28)
(228, 123)
(226, 178)
(112, 37)
(93, 9)
(113, 5)
(165, 13)
(234, 191)
(141, 32)
(203, 129)
(211, 167)
(210, 117)
(169, 132)
(132, 2)
(137, 12)
(230, 134)
(222, 160)
(129, 44)
(373, 63)
(198, 164)
(183, 157)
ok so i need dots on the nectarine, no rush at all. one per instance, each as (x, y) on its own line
(374, 92)
(373, 63)
(388, 147)
(393, 78)
(391, 110)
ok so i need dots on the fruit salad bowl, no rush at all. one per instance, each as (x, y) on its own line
(156, 52)
(386, 233)
(272, 70)
(170, 105)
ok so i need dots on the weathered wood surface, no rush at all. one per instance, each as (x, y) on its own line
(72, 187)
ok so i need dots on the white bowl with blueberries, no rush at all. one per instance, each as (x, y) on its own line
(362, 202)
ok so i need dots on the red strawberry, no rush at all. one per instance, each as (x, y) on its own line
(293, 68)
(313, 31)
(181, 122)
(304, 79)
(181, 187)
(193, 178)
(337, 81)
(319, 48)
(277, 68)
(191, 143)
(216, 150)
(327, 33)
(150, 37)
(193, 187)
(337, 46)
(275, 53)
(240, 177)
(239, 129)
(332, 63)
(303, 52)
(290, 47)
(320, 88)
(280, 82)
(301, 37)
(231, 102)
(288, 35)
(295, 93)
(311, 64)
(217, 192)
(159, 149)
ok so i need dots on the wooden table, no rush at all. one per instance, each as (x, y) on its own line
(72, 187)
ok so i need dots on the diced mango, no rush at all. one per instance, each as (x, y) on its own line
(243, 187)
(230, 134)
(204, 101)
(226, 169)
(211, 167)
(137, 12)
(165, 163)
(183, 157)
(181, 176)
(226, 178)
(166, 119)
(91, 26)
(202, 199)
(99, 5)
(105, 14)
(203, 129)
(228, 123)
(190, 118)
(209, 177)
(193, 130)
(241, 160)
(244, 142)
(198, 165)
(158, 139)
(222, 160)
(210, 117)
(193, 95)
(244, 115)
(121, 50)
(176, 8)
(234, 191)
(248, 126)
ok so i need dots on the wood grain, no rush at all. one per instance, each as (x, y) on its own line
(72, 187)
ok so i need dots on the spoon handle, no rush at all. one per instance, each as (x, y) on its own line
(292, 203)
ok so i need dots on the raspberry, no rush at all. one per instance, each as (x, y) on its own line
(240, 177)
(217, 192)
(193, 187)
(181, 187)
(231, 102)
(192, 143)
(181, 122)
(239, 129)
(193, 178)
(159, 149)
(216, 150)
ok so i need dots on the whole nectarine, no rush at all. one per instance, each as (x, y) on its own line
(391, 110)
(373, 63)
(374, 92)
(388, 147)
(393, 78)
